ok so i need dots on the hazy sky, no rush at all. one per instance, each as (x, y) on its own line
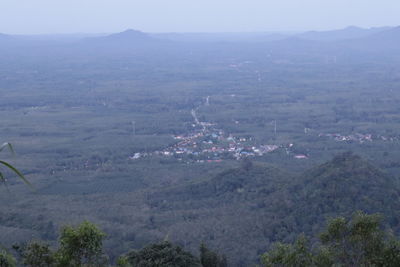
(101, 16)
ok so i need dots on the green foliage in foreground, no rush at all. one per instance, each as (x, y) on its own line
(36, 254)
(360, 241)
(356, 242)
(82, 246)
(162, 254)
(6, 260)
(79, 246)
(169, 255)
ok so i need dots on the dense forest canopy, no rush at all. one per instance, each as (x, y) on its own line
(356, 242)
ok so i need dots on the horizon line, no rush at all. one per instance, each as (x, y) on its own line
(199, 32)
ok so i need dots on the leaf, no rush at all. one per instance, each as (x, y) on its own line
(15, 171)
(4, 145)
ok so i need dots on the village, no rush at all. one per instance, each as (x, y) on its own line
(207, 143)
(212, 145)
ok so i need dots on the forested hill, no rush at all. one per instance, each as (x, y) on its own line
(384, 42)
(347, 33)
(338, 187)
(260, 205)
(126, 37)
(347, 183)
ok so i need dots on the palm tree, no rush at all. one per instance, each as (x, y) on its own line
(9, 166)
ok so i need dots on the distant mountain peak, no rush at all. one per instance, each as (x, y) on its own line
(129, 34)
(126, 38)
(350, 32)
(131, 31)
(390, 36)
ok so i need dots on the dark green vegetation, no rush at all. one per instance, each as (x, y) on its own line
(79, 112)
(6, 259)
(358, 242)
(162, 254)
(78, 246)
(83, 246)
(265, 205)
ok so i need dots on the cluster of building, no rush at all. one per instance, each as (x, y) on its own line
(357, 137)
(209, 144)
(213, 145)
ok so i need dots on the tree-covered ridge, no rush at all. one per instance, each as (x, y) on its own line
(261, 205)
(340, 186)
(360, 241)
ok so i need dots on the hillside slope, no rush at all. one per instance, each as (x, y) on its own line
(351, 32)
(337, 188)
(262, 205)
